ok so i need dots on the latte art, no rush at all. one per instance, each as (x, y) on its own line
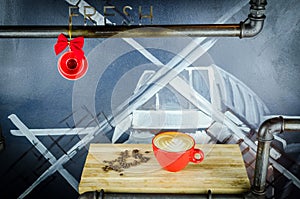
(174, 142)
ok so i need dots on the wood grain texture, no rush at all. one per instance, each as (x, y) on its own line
(222, 172)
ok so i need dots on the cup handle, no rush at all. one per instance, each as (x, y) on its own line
(197, 152)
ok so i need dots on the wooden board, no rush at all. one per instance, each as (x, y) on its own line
(222, 172)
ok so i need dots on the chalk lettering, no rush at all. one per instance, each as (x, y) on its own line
(72, 14)
(88, 15)
(107, 14)
(89, 12)
(141, 16)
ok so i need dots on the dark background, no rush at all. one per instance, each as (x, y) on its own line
(32, 88)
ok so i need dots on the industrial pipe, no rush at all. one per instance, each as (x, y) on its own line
(248, 28)
(2, 141)
(255, 21)
(265, 137)
(92, 195)
(121, 31)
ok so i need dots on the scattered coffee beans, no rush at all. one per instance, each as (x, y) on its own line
(120, 163)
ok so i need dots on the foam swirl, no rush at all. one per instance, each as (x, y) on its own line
(173, 142)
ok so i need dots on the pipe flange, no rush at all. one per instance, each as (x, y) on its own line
(256, 18)
(256, 194)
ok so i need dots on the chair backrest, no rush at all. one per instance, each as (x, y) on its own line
(170, 119)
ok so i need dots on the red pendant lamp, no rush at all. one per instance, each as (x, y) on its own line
(72, 65)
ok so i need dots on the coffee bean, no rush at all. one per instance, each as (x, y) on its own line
(121, 163)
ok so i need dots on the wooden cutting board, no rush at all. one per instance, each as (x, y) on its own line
(222, 171)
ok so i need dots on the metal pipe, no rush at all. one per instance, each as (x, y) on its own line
(265, 136)
(255, 21)
(225, 30)
(111, 195)
(92, 195)
(249, 28)
(2, 141)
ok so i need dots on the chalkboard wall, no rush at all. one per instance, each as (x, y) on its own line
(32, 88)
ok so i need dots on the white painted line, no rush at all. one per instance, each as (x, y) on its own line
(44, 151)
(55, 131)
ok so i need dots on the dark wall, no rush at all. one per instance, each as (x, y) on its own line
(32, 88)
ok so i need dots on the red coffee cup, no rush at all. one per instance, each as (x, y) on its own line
(174, 150)
(71, 67)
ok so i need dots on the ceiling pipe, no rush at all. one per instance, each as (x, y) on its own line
(265, 136)
(248, 28)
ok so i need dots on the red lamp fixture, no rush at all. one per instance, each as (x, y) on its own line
(72, 65)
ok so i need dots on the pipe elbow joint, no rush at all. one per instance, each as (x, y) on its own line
(255, 21)
(252, 26)
(269, 127)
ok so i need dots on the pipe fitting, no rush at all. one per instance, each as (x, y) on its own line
(255, 21)
(269, 127)
(258, 4)
(92, 195)
(265, 136)
(249, 28)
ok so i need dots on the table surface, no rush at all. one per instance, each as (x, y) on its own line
(222, 171)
